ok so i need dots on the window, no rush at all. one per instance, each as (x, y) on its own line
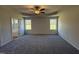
(28, 24)
(53, 24)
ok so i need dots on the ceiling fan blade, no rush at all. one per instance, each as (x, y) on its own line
(31, 9)
(37, 7)
(43, 12)
(42, 9)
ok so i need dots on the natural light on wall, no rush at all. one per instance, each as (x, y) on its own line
(53, 24)
(28, 24)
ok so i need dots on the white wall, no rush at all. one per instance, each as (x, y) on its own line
(5, 30)
(41, 25)
(69, 25)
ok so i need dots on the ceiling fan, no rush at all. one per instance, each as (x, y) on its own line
(38, 10)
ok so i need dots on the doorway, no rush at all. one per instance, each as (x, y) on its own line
(17, 26)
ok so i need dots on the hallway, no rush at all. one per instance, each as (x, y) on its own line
(38, 44)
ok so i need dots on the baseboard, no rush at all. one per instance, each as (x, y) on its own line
(5, 43)
(41, 34)
(71, 43)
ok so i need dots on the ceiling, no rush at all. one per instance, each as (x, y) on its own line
(49, 9)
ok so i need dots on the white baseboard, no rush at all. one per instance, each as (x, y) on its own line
(75, 45)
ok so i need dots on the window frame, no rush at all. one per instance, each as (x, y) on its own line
(27, 24)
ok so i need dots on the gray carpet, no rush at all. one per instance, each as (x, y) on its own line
(38, 44)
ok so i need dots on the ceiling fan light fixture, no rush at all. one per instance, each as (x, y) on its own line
(37, 12)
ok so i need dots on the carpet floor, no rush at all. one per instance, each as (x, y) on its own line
(38, 44)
